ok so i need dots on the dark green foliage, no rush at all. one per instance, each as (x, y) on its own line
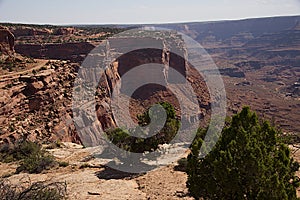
(63, 164)
(18, 151)
(120, 138)
(182, 165)
(54, 145)
(36, 163)
(85, 165)
(28, 25)
(248, 162)
(101, 29)
(33, 158)
(123, 140)
(33, 191)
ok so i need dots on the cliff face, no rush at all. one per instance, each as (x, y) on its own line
(28, 31)
(250, 53)
(75, 52)
(37, 103)
(7, 41)
(167, 87)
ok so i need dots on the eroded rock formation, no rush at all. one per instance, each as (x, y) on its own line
(7, 37)
(169, 88)
(75, 52)
(29, 31)
(38, 106)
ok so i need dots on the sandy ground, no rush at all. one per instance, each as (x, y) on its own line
(99, 182)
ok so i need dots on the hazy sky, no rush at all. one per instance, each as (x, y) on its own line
(140, 11)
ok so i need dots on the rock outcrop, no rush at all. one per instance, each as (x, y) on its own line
(75, 52)
(149, 94)
(29, 31)
(7, 38)
(38, 106)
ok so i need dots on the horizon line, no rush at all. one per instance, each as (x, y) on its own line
(155, 23)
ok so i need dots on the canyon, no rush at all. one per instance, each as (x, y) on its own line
(259, 60)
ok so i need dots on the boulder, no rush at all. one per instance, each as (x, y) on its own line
(35, 103)
(33, 88)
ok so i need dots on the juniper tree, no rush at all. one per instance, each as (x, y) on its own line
(249, 161)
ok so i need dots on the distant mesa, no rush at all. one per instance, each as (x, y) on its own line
(29, 31)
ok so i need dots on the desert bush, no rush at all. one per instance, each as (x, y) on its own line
(32, 191)
(54, 145)
(181, 165)
(63, 164)
(123, 140)
(18, 151)
(249, 161)
(85, 165)
(36, 163)
(33, 159)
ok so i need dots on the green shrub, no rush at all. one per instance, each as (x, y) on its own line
(182, 165)
(8, 86)
(54, 145)
(18, 151)
(248, 162)
(123, 140)
(36, 163)
(33, 159)
(63, 164)
(85, 165)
